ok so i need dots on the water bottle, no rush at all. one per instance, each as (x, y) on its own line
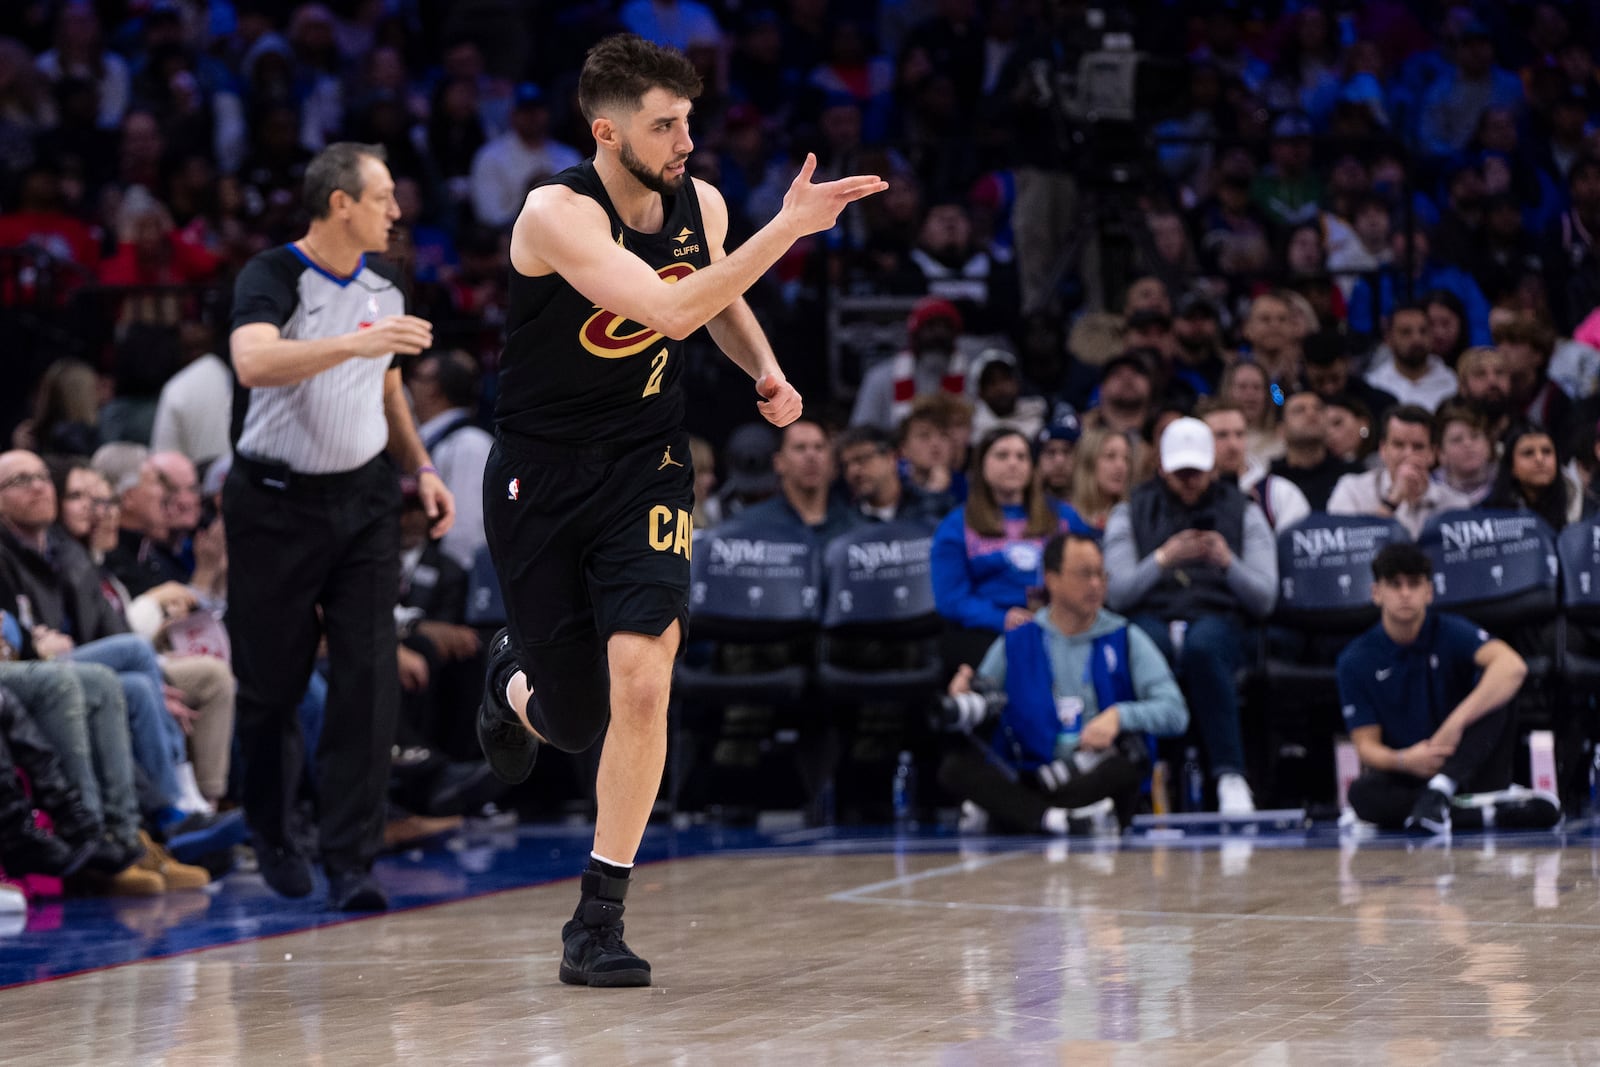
(905, 789)
(1194, 781)
(1594, 782)
(1069, 712)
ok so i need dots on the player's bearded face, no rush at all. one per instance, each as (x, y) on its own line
(656, 180)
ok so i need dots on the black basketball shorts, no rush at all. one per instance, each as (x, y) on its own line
(588, 542)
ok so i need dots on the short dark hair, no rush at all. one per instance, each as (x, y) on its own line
(1457, 410)
(623, 67)
(1402, 559)
(1412, 413)
(458, 376)
(1416, 306)
(1055, 549)
(875, 436)
(337, 168)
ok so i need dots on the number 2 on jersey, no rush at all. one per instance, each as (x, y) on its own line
(658, 367)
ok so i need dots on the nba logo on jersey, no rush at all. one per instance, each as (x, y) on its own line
(372, 313)
(512, 489)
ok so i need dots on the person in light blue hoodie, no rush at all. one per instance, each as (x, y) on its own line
(1081, 690)
(986, 553)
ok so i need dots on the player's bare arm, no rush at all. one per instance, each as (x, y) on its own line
(561, 232)
(264, 358)
(736, 330)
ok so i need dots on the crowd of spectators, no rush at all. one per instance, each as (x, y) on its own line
(1360, 277)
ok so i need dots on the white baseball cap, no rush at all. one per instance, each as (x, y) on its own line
(1187, 445)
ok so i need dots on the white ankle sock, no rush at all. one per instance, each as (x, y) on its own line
(596, 856)
(1055, 821)
(1444, 784)
(509, 683)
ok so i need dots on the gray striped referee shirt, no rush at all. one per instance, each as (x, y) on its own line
(332, 421)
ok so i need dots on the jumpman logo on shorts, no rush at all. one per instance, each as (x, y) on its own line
(667, 460)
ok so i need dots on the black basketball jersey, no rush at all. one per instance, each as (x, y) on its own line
(575, 372)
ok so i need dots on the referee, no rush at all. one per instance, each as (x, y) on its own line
(312, 509)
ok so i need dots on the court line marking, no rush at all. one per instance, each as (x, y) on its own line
(860, 895)
(853, 897)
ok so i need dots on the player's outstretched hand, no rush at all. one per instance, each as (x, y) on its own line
(406, 335)
(814, 207)
(782, 404)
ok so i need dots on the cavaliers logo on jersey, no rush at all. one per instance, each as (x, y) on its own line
(600, 335)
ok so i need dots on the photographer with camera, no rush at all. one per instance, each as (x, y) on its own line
(1069, 696)
(1193, 562)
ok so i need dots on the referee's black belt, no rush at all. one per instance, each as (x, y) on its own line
(281, 478)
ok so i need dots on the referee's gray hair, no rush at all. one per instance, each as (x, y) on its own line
(337, 167)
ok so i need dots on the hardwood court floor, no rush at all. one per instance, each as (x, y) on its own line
(1269, 950)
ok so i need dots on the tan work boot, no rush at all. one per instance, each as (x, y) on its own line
(132, 881)
(175, 875)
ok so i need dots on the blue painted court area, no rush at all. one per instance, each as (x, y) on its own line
(66, 937)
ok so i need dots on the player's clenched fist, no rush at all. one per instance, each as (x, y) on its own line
(782, 404)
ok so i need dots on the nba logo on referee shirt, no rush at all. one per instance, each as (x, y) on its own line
(372, 313)
(513, 487)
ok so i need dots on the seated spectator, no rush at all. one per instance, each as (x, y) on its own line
(145, 356)
(1081, 689)
(195, 408)
(1571, 254)
(25, 848)
(877, 489)
(194, 664)
(1426, 697)
(1102, 473)
(81, 710)
(1307, 461)
(1000, 401)
(1279, 499)
(1328, 374)
(951, 265)
(149, 249)
(1414, 375)
(41, 563)
(1275, 340)
(1127, 386)
(804, 465)
(144, 555)
(39, 219)
(1371, 251)
(1530, 478)
(749, 478)
(1053, 450)
(1246, 386)
(927, 440)
(1403, 488)
(1466, 459)
(932, 361)
(1527, 347)
(986, 553)
(1371, 305)
(66, 412)
(441, 675)
(1484, 382)
(505, 168)
(1192, 562)
(1447, 326)
(1350, 437)
(707, 507)
(444, 390)
(1197, 329)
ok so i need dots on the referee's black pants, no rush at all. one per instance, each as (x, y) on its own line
(330, 542)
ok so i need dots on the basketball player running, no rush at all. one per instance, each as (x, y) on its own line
(589, 488)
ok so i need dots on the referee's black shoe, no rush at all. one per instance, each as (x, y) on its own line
(506, 743)
(592, 950)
